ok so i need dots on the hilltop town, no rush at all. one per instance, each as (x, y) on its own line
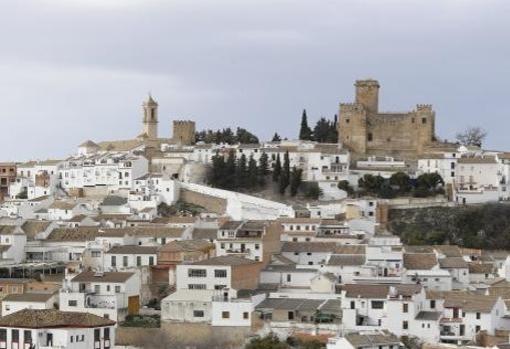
(216, 239)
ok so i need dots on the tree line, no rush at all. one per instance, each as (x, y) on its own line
(325, 131)
(232, 173)
(400, 183)
(245, 173)
(226, 135)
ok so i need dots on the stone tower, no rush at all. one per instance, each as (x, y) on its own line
(364, 130)
(150, 118)
(367, 95)
(184, 132)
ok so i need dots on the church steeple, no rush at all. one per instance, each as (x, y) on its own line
(150, 118)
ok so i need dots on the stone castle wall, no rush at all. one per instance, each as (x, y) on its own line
(366, 131)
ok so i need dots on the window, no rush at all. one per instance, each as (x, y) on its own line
(197, 273)
(220, 273)
(15, 336)
(198, 313)
(114, 261)
(370, 137)
(3, 335)
(246, 315)
(108, 288)
(290, 315)
(72, 303)
(423, 120)
(477, 328)
(196, 286)
(257, 246)
(106, 333)
(71, 339)
(353, 305)
(138, 261)
(151, 260)
(27, 337)
(478, 316)
(125, 261)
(405, 308)
(289, 277)
(117, 289)
(96, 254)
(432, 304)
(405, 325)
(377, 304)
(225, 315)
(219, 287)
(97, 335)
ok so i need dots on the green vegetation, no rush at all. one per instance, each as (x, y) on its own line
(271, 341)
(145, 321)
(226, 135)
(345, 186)
(312, 190)
(485, 226)
(179, 208)
(428, 184)
(325, 131)
(237, 174)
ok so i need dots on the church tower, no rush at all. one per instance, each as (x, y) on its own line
(150, 118)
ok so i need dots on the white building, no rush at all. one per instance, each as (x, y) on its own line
(49, 328)
(16, 302)
(109, 294)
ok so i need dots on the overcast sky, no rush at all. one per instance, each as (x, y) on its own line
(72, 70)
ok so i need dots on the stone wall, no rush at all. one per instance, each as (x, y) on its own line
(210, 203)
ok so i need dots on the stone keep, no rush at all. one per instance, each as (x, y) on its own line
(184, 132)
(365, 131)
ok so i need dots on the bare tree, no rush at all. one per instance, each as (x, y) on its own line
(472, 136)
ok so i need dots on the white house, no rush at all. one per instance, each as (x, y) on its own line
(108, 294)
(16, 302)
(126, 257)
(49, 328)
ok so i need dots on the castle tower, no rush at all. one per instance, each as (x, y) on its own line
(150, 118)
(184, 132)
(367, 94)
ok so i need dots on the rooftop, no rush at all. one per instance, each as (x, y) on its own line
(51, 318)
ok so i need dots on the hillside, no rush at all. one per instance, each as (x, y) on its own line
(484, 226)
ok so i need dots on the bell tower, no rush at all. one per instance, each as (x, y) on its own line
(150, 118)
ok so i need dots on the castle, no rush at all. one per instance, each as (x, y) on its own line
(183, 132)
(365, 131)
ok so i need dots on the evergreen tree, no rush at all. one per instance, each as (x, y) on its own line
(230, 170)
(264, 164)
(217, 177)
(305, 133)
(284, 180)
(295, 180)
(277, 170)
(241, 172)
(276, 138)
(322, 130)
(253, 173)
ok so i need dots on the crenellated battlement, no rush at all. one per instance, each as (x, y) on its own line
(351, 107)
(422, 107)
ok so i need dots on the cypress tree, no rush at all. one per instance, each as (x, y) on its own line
(277, 170)
(295, 180)
(264, 165)
(230, 171)
(284, 181)
(253, 173)
(305, 133)
(241, 173)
